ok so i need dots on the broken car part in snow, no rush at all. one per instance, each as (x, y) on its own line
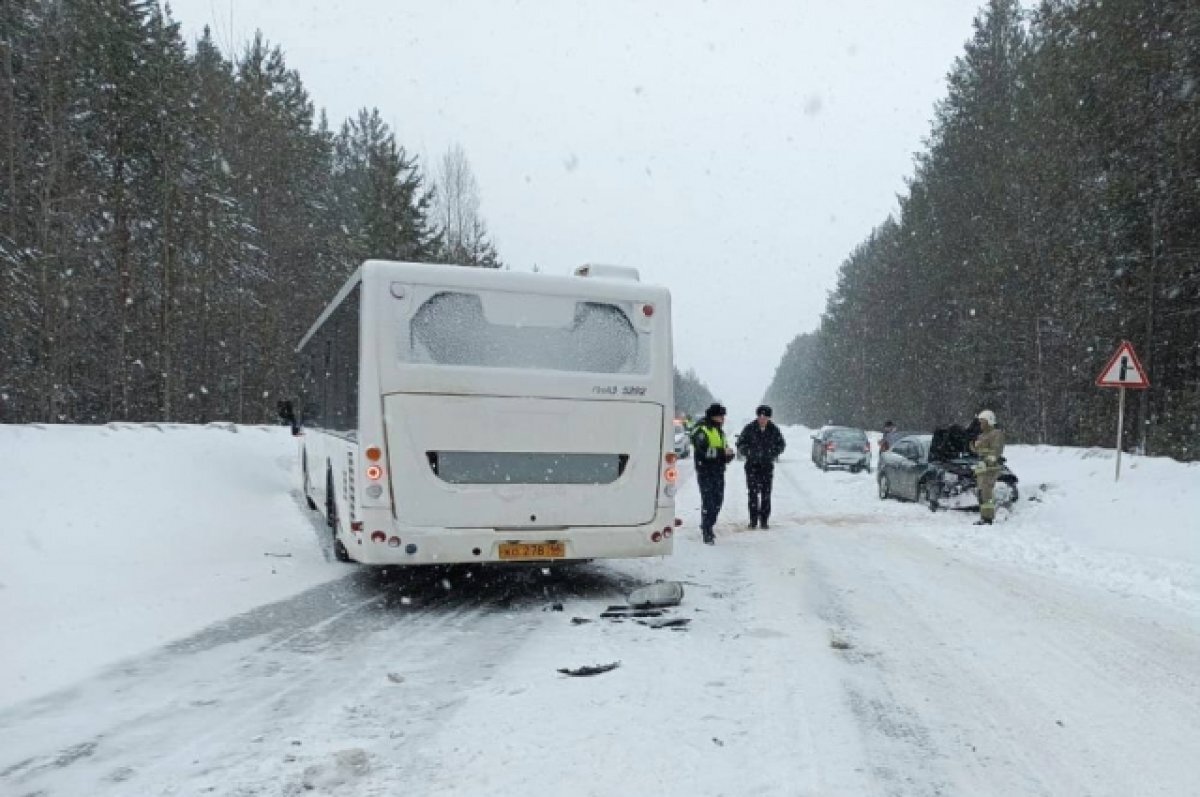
(674, 623)
(594, 669)
(664, 593)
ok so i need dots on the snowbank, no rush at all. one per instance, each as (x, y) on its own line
(1139, 536)
(119, 538)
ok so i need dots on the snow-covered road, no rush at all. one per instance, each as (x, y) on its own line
(858, 647)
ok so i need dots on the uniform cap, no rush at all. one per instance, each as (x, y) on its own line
(987, 415)
(763, 409)
(714, 410)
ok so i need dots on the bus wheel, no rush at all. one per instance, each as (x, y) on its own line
(331, 517)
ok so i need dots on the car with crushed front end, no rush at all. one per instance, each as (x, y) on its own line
(938, 470)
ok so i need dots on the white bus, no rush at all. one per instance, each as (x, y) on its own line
(457, 415)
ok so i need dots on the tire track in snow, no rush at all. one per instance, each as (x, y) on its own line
(213, 703)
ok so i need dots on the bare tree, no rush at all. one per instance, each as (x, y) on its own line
(457, 199)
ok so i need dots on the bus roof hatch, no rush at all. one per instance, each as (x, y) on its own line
(608, 272)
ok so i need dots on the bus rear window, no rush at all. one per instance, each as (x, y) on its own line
(502, 467)
(527, 332)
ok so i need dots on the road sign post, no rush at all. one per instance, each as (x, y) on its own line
(1120, 431)
(1124, 370)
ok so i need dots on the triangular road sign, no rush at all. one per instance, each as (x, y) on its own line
(1124, 370)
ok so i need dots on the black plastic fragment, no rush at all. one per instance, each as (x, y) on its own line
(591, 669)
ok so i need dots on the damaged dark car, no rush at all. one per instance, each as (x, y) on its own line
(938, 470)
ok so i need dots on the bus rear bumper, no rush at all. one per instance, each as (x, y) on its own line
(436, 546)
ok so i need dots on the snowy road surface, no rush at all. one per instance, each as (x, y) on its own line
(857, 648)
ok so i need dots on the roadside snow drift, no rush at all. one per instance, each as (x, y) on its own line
(858, 646)
(120, 538)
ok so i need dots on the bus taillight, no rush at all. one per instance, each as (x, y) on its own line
(670, 474)
(378, 536)
(374, 473)
(671, 457)
(374, 453)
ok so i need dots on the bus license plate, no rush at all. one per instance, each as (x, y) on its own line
(533, 550)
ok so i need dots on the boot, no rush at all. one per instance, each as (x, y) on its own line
(983, 522)
(709, 538)
(764, 524)
(753, 524)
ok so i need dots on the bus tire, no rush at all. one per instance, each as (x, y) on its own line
(331, 519)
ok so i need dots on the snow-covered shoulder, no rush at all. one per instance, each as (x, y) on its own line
(123, 537)
(1073, 521)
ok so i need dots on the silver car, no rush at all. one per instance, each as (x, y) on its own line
(683, 443)
(841, 447)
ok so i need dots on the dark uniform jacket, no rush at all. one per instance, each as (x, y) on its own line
(761, 446)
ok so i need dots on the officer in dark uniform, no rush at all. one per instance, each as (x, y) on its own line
(712, 455)
(760, 444)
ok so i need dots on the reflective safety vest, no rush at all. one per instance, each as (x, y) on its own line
(715, 439)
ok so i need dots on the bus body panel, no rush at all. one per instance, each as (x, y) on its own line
(431, 546)
(482, 461)
(410, 409)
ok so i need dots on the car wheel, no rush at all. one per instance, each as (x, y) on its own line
(923, 497)
(1006, 494)
(885, 487)
(855, 468)
(331, 517)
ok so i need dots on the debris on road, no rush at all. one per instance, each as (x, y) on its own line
(838, 643)
(594, 669)
(623, 612)
(664, 593)
(674, 623)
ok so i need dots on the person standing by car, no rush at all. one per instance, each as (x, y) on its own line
(989, 447)
(760, 444)
(889, 436)
(712, 455)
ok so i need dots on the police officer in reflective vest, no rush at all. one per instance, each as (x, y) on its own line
(989, 446)
(712, 455)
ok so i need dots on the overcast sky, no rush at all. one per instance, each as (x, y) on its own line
(733, 151)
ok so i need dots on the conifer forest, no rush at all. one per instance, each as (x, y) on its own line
(1054, 212)
(173, 218)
